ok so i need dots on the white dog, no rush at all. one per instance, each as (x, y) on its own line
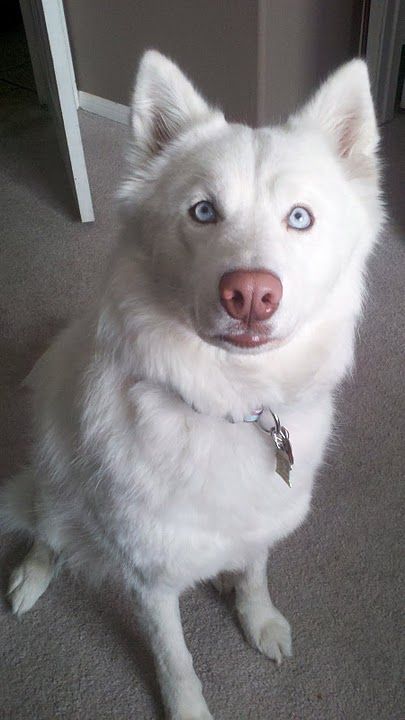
(231, 299)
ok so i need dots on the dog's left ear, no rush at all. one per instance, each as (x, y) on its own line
(343, 109)
(164, 103)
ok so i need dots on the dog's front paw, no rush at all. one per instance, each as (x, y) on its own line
(185, 701)
(191, 715)
(274, 639)
(191, 712)
(271, 636)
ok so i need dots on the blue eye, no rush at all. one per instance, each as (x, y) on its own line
(203, 212)
(299, 219)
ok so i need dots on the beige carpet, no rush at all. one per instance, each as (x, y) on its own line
(78, 655)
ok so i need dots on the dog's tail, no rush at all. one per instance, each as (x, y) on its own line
(17, 503)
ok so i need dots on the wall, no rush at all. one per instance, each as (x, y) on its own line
(214, 41)
(258, 59)
(302, 41)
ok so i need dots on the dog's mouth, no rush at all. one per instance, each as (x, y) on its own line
(246, 339)
(242, 337)
(246, 342)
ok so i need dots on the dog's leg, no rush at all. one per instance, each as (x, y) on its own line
(29, 580)
(264, 626)
(180, 686)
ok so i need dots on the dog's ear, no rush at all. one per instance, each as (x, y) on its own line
(164, 103)
(343, 109)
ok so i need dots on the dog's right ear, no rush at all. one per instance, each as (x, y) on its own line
(164, 103)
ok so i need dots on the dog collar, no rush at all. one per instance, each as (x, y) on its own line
(277, 434)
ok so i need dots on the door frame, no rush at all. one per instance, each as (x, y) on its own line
(51, 57)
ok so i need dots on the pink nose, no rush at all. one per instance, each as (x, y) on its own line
(250, 295)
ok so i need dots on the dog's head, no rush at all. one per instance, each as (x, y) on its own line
(248, 233)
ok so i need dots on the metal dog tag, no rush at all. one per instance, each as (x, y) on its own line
(284, 455)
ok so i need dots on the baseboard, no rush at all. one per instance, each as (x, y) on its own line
(104, 108)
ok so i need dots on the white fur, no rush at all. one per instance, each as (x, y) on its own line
(29, 580)
(137, 469)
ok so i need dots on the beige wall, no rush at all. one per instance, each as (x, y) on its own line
(302, 41)
(214, 41)
(258, 59)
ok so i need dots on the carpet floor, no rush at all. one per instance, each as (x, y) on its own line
(79, 655)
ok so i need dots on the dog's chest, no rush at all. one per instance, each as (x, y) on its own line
(204, 495)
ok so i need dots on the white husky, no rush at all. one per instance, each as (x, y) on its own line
(236, 286)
